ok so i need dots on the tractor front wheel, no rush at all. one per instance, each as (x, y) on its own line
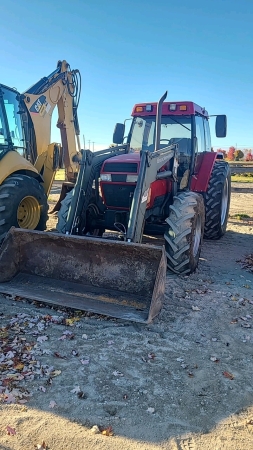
(184, 235)
(217, 201)
(92, 213)
(23, 204)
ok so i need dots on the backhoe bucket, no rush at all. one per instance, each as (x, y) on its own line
(118, 279)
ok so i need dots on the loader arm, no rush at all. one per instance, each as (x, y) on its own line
(90, 167)
(150, 165)
(61, 89)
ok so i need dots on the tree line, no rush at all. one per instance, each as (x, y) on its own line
(233, 154)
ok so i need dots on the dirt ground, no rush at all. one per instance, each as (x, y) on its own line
(182, 383)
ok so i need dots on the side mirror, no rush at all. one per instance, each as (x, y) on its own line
(118, 134)
(221, 126)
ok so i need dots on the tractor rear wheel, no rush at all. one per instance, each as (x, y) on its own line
(92, 212)
(217, 201)
(184, 235)
(23, 204)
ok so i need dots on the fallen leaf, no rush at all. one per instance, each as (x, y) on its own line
(55, 373)
(42, 388)
(228, 375)
(52, 404)
(76, 390)
(42, 339)
(214, 359)
(234, 321)
(125, 397)
(19, 366)
(57, 355)
(244, 318)
(214, 339)
(245, 325)
(116, 373)
(250, 422)
(95, 429)
(42, 446)
(74, 353)
(81, 394)
(195, 308)
(180, 359)
(9, 398)
(108, 431)
(11, 431)
(151, 356)
(85, 361)
(190, 374)
(84, 336)
(151, 410)
(71, 321)
(184, 366)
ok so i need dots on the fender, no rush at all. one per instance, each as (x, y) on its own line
(13, 162)
(200, 179)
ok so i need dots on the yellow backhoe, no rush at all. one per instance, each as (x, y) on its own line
(28, 161)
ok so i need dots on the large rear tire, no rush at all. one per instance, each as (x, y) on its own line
(63, 214)
(184, 235)
(217, 201)
(23, 204)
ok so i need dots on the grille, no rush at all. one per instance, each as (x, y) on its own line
(118, 195)
(119, 177)
(121, 167)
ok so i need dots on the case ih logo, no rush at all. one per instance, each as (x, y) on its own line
(40, 106)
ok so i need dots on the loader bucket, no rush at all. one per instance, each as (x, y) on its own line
(118, 279)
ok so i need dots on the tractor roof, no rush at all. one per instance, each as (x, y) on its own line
(169, 108)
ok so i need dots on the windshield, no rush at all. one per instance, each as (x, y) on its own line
(173, 129)
(10, 103)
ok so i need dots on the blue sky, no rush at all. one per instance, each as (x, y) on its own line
(130, 52)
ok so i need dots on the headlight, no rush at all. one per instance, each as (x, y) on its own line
(106, 177)
(132, 178)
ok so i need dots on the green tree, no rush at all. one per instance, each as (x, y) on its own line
(238, 154)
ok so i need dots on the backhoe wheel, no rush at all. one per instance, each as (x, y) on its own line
(217, 201)
(92, 211)
(184, 235)
(23, 204)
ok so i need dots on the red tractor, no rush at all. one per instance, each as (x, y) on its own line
(164, 180)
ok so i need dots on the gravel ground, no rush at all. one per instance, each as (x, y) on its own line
(184, 382)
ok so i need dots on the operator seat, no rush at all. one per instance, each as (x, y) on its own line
(184, 159)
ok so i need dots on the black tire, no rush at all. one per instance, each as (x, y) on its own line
(184, 235)
(217, 201)
(63, 214)
(12, 191)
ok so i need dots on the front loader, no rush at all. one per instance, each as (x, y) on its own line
(164, 181)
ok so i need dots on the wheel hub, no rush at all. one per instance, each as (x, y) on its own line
(28, 213)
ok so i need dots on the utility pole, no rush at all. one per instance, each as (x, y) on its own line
(89, 143)
(83, 142)
(93, 146)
